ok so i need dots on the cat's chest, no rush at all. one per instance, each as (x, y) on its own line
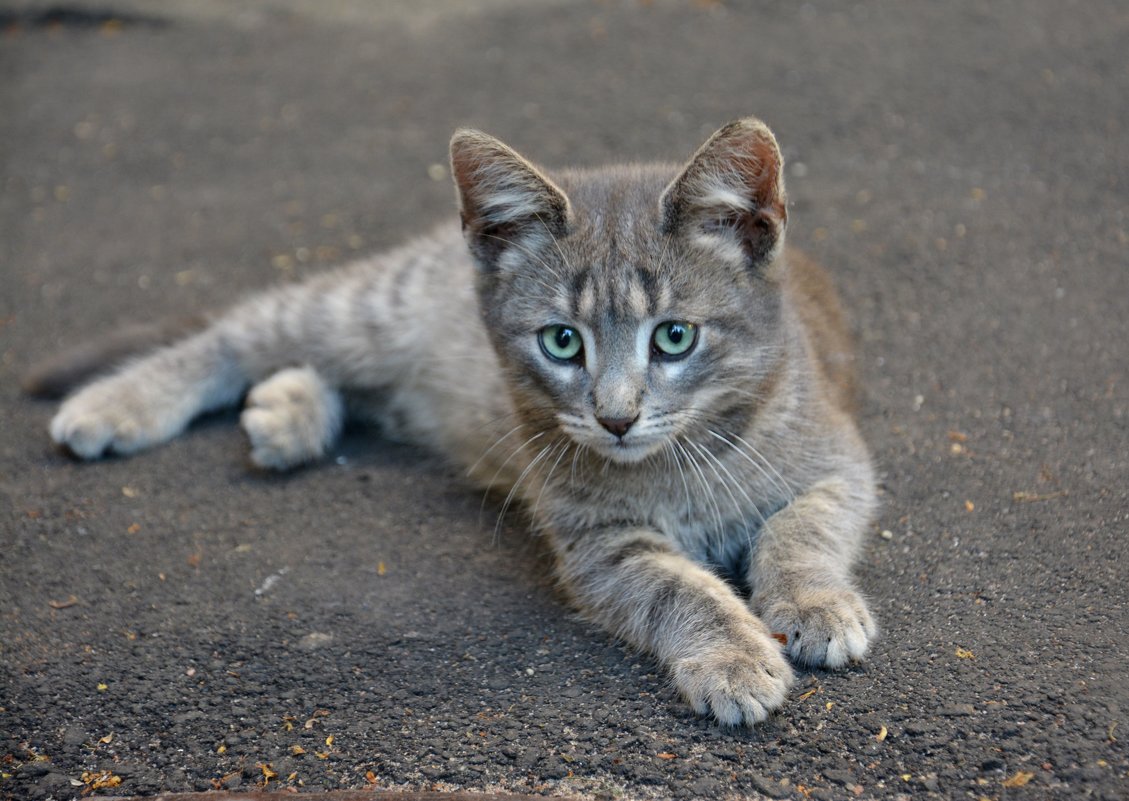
(710, 519)
(712, 531)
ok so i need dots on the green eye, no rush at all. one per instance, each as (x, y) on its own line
(560, 342)
(675, 338)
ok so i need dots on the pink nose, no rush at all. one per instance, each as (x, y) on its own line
(617, 425)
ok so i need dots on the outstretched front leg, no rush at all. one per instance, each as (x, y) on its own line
(800, 574)
(291, 417)
(293, 414)
(635, 583)
(150, 400)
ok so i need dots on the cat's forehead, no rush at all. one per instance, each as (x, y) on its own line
(615, 262)
(613, 253)
(629, 291)
(616, 203)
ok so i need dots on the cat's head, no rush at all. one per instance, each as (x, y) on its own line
(635, 309)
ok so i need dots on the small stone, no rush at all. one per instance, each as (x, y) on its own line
(768, 786)
(56, 784)
(553, 769)
(707, 787)
(498, 682)
(649, 776)
(315, 640)
(34, 770)
(74, 735)
(841, 777)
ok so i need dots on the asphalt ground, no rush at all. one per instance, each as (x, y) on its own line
(178, 622)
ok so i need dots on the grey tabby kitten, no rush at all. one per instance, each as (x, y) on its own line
(629, 351)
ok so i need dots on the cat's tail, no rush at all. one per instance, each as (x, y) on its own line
(66, 371)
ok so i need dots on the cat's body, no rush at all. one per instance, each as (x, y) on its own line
(629, 352)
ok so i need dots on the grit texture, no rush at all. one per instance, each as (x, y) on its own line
(180, 622)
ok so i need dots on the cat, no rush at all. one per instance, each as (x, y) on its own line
(629, 351)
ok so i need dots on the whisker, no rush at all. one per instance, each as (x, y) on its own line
(751, 506)
(556, 244)
(502, 467)
(549, 476)
(730, 481)
(572, 469)
(667, 239)
(761, 464)
(740, 512)
(706, 489)
(513, 490)
(531, 254)
(497, 442)
(682, 473)
(784, 485)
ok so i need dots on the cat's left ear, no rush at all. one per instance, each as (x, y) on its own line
(507, 205)
(730, 197)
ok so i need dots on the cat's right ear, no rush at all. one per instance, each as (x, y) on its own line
(730, 197)
(506, 204)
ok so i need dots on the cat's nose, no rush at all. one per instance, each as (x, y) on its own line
(617, 425)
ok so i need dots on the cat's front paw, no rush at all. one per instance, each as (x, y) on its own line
(824, 628)
(109, 415)
(735, 684)
(291, 418)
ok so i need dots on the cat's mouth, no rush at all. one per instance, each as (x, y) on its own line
(630, 449)
(627, 451)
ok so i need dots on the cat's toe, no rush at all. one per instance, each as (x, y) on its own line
(734, 686)
(276, 442)
(824, 628)
(85, 435)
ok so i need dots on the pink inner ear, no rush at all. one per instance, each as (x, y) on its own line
(751, 155)
(742, 159)
(498, 187)
(479, 163)
(768, 189)
(733, 184)
(502, 197)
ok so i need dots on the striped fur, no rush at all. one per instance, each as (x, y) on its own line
(697, 505)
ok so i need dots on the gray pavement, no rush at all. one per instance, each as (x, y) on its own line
(184, 623)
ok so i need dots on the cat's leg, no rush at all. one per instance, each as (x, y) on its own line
(150, 400)
(291, 418)
(153, 399)
(800, 574)
(633, 582)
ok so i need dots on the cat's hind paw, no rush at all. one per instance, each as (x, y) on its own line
(735, 686)
(291, 418)
(824, 628)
